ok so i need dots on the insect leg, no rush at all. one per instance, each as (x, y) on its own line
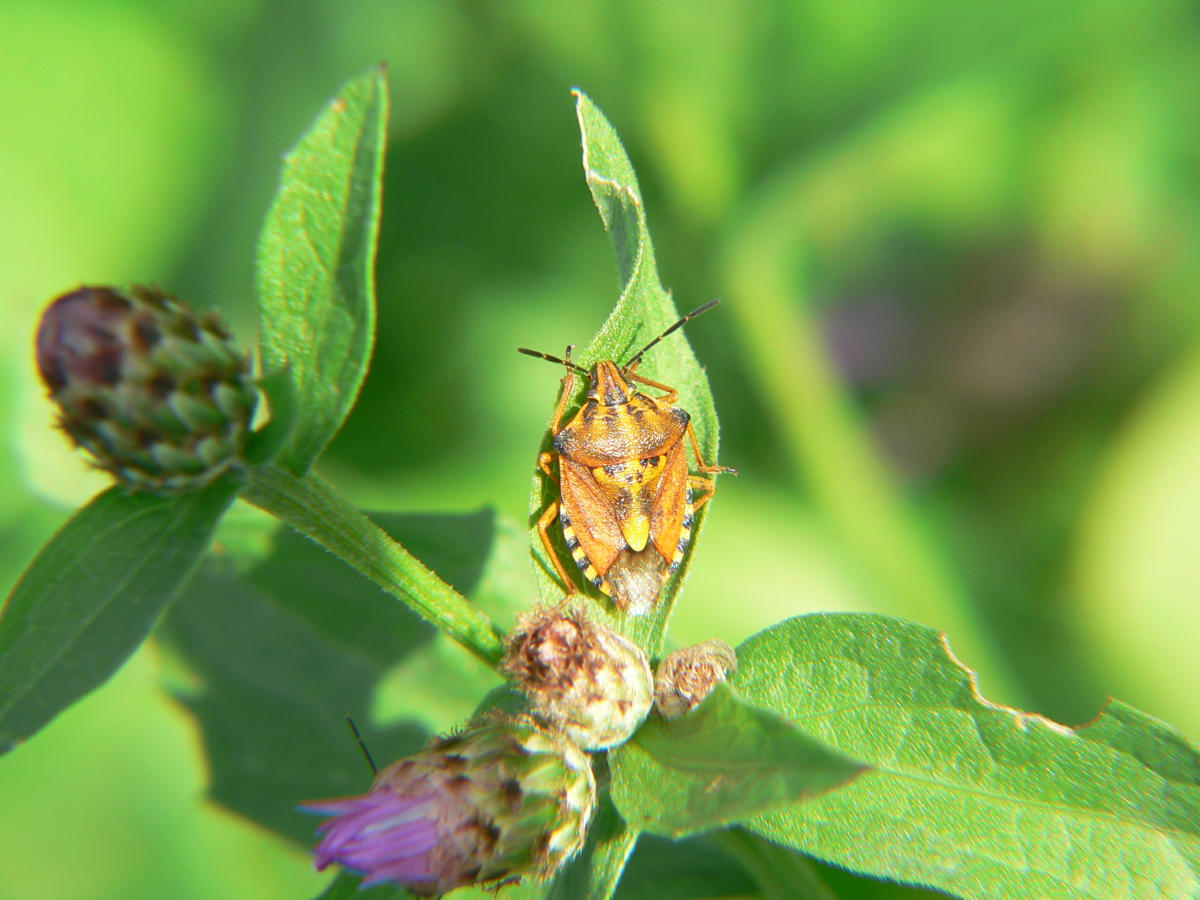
(544, 460)
(701, 465)
(543, 526)
(669, 398)
(702, 491)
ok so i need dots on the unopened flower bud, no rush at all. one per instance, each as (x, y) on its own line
(501, 801)
(580, 676)
(689, 675)
(156, 393)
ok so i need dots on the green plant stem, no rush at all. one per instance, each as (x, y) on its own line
(312, 507)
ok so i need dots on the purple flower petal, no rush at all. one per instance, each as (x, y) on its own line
(384, 835)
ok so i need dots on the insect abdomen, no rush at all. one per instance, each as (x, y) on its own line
(580, 556)
(685, 534)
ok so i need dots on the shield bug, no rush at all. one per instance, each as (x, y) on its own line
(626, 500)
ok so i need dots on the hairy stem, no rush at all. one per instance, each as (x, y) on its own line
(312, 507)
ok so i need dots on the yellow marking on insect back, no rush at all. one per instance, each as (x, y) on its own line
(630, 487)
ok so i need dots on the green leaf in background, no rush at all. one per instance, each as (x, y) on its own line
(1136, 566)
(643, 310)
(779, 872)
(767, 266)
(966, 795)
(782, 873)
(276, 652)
(316, 263)
(661, 869)
(722, 763)
(346, 887)
(94, 593)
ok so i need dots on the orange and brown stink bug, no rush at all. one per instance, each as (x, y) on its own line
(626, 500)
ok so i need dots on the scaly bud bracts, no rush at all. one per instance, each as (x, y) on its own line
(156, 393)
(689, 675)
(580, 676)
(498, 802)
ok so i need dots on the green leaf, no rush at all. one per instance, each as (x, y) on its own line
(966, 795)
(94, 593)
(346, 887)
(722, 763)
(316, 259)
(782, 873)
(643, 311)
(274, 652)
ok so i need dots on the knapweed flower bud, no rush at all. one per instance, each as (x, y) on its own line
(689, 675)
(156, 393)
(580, 676)
(500, 801)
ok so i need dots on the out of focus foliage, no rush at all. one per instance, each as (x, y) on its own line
(981, 222)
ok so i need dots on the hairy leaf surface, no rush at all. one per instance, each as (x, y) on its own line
(720, 764)
(965, 795)
(316, 264)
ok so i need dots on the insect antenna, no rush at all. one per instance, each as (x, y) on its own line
(361, 745)
(637, 357)
(554, 359)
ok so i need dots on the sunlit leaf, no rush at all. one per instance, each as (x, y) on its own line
(720, 764)
(316, 263)
(966, 795)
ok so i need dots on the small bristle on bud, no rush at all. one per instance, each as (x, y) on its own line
(580, 676)
(155, 392)
(498, 802)
(689, 675)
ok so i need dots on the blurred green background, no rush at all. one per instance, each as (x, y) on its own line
(958, 364)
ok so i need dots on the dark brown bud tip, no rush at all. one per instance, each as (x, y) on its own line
(79, 339)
